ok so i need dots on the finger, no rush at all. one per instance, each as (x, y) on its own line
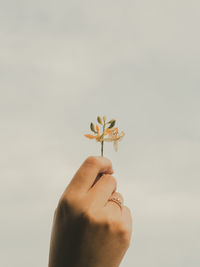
(111, 204)
(118, 196)
(102, 190)
(88, 172)
(127, 218)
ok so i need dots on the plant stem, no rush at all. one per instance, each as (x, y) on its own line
(102, 148)
(102, 141)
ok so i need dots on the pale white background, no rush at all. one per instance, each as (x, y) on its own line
(62, 63)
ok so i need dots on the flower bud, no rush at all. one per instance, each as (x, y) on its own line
(99, 120)
(92, 127)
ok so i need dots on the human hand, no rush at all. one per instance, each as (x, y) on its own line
(88, 229)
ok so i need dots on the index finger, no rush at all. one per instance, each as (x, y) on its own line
(88, 172)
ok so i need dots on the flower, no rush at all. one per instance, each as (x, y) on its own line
(98, 137)
(109, 133)
(114, 136)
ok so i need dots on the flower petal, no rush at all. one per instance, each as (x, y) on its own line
(90, 136)
(119, 137)
(110, 132)
(107, 131)
(122, 133)
(97, 128)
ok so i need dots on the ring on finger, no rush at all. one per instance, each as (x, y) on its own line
(117, 200)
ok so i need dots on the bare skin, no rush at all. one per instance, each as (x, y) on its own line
(88, 229)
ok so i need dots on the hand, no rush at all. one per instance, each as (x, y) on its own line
(88, 229)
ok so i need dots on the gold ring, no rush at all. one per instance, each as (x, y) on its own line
(116, 200)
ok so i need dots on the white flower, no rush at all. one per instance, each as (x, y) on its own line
(114, 137)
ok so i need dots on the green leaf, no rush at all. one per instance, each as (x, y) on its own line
(112, 124)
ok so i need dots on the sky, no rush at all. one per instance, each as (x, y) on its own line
(63, 63)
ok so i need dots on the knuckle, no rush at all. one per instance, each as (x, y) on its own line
(95, 220)
(88, 217)
(63, 206)
(105, 225)
(85, 215)
(68, 202)
(121, 232)
(75, 208)
(128, 211)
(102, 224)
(92, 160)
(124, 235)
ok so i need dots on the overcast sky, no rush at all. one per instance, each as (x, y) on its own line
(62, 63)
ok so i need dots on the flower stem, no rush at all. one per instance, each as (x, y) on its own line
(102, 148)
(104, 125)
